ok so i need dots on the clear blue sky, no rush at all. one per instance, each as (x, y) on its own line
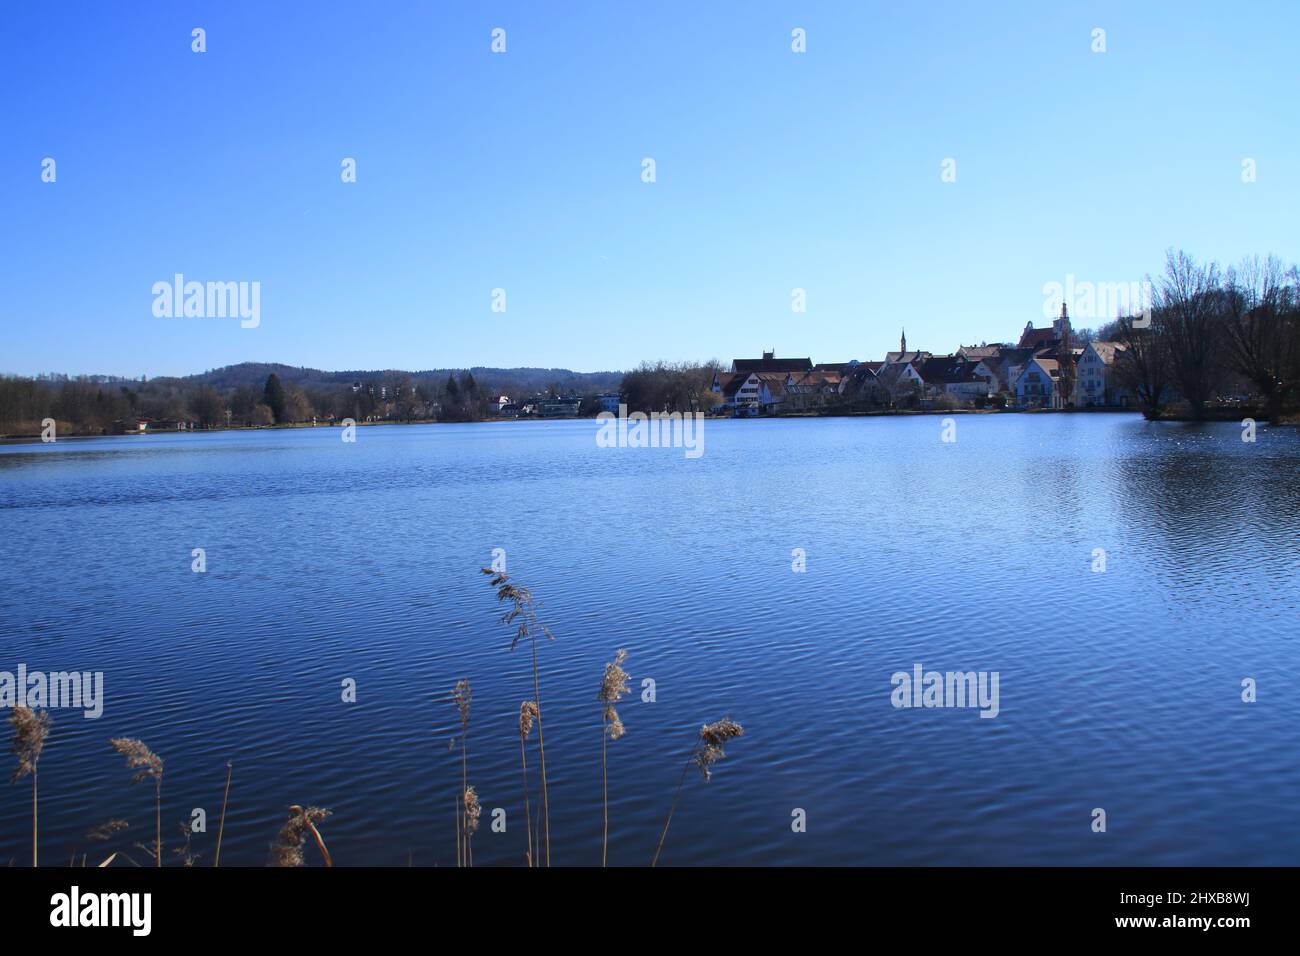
(523, 171)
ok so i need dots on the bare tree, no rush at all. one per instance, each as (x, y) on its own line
(1261, 339)
(1185, 317)
(1143, 365)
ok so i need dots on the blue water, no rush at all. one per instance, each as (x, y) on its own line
(325, 561)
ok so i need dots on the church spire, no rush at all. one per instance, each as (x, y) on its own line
(902, 342)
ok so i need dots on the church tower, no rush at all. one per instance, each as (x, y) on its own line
(902, 342)
(1061, 327)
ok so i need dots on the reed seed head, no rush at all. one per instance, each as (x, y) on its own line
(30, 731)
(712, 746)
(472, 810)
(613, 688)
(106, 830)
(461, 697)
(286, 851)
(146, 764)
(521, 610)
(527, 714)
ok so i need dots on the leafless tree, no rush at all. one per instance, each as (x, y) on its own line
(1185, 317)
(1143, 366)
(1261, 334)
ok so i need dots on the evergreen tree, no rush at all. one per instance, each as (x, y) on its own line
(273, 397)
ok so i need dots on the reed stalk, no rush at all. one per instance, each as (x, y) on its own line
(710, 748)
(461, 696)
(527, 714)
(30, 731)
(524, 613)
(613, 688)
(221, 830)
(472, 811)
(147, 766)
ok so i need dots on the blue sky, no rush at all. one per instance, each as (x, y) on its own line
(522, 171)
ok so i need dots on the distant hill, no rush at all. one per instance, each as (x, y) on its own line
(509, 381)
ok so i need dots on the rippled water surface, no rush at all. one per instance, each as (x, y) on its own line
(325, 561)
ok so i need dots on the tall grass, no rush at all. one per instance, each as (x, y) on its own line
(147, 766)
(527, 714)
(523, 614)
(708, 750)
(471, 811)
(30, 731)
(461, 696)
(613, 688)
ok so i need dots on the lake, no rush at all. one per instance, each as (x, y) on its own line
(1118, 689)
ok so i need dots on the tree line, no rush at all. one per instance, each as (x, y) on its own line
(1212, 333)
(669, 387)
(94, 405)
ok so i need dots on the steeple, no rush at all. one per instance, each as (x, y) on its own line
(1062, 326)
(902, 342)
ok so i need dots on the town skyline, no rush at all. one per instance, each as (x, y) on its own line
(115, 376)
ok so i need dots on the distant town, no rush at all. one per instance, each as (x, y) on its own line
(1214, 345)
(1027, 374)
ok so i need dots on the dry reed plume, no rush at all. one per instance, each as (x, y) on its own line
(709, 750)
(461, 697)
(613, 688)
(286, 851)
(30, 731)
(470, 808)
(527, 714)
(147, 766)
(523, 613)
(106, 830)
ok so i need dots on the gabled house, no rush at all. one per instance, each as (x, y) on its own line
(1036, 387)
(954, 376)
(902, 383)
(1095, 382)
(1010, 363)
(862, 385)
(758, 392)
(990, 371)
(814, 389)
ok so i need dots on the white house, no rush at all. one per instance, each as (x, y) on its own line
(988, 370)
(760, 391)
(1096, 384)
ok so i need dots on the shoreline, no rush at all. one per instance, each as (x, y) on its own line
(1216, 416)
